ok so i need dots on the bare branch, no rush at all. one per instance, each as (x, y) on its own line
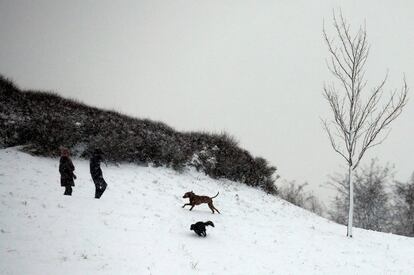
(332, 140)
(358, 119)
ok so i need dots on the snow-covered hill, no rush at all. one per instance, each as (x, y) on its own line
(139, 227)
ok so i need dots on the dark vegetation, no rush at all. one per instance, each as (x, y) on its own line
(41, 122)
(404, 203)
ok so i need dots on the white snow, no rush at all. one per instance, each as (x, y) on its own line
(139, 227)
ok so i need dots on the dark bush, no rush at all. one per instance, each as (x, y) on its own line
(42, 122)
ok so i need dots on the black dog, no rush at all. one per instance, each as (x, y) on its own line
(200, 228)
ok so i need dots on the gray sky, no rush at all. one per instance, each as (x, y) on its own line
(252, 68)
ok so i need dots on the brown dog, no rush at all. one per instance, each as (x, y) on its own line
(196, 200)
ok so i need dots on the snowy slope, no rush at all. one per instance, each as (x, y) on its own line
(139, 227)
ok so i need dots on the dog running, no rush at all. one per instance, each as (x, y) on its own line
(197, 200)
(200, 228)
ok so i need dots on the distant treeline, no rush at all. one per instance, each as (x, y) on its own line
(380, 203)
(43, 121)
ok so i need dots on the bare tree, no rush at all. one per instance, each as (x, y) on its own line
(361, 117)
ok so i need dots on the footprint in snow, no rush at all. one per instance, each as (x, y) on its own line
(64, 259)
(103, 267)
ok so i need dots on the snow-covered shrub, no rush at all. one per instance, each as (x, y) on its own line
(296, 194)
(403, 208)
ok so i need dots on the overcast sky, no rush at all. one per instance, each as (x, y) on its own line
(254, 69)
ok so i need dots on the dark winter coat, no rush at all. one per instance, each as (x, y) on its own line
(66, 169)
(96, 171)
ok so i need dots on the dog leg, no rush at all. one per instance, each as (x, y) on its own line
(216, 210)
(192, 207)
(210, 205)
(186, 205)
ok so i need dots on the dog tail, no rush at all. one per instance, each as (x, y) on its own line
(215, 195)
(209, 223)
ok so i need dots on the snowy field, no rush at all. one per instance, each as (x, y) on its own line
(139, 227)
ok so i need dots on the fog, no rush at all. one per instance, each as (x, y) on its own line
(254, 69)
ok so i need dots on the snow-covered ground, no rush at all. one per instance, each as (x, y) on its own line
(139, 227)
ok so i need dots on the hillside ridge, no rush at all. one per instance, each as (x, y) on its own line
(41, 122)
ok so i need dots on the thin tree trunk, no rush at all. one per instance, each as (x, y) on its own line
(359, 118)
(351, 203)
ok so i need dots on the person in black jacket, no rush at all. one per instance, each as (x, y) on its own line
(66, 169)
(96, 173)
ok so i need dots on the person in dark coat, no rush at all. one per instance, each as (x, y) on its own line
(66, 169)
(96, 173)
